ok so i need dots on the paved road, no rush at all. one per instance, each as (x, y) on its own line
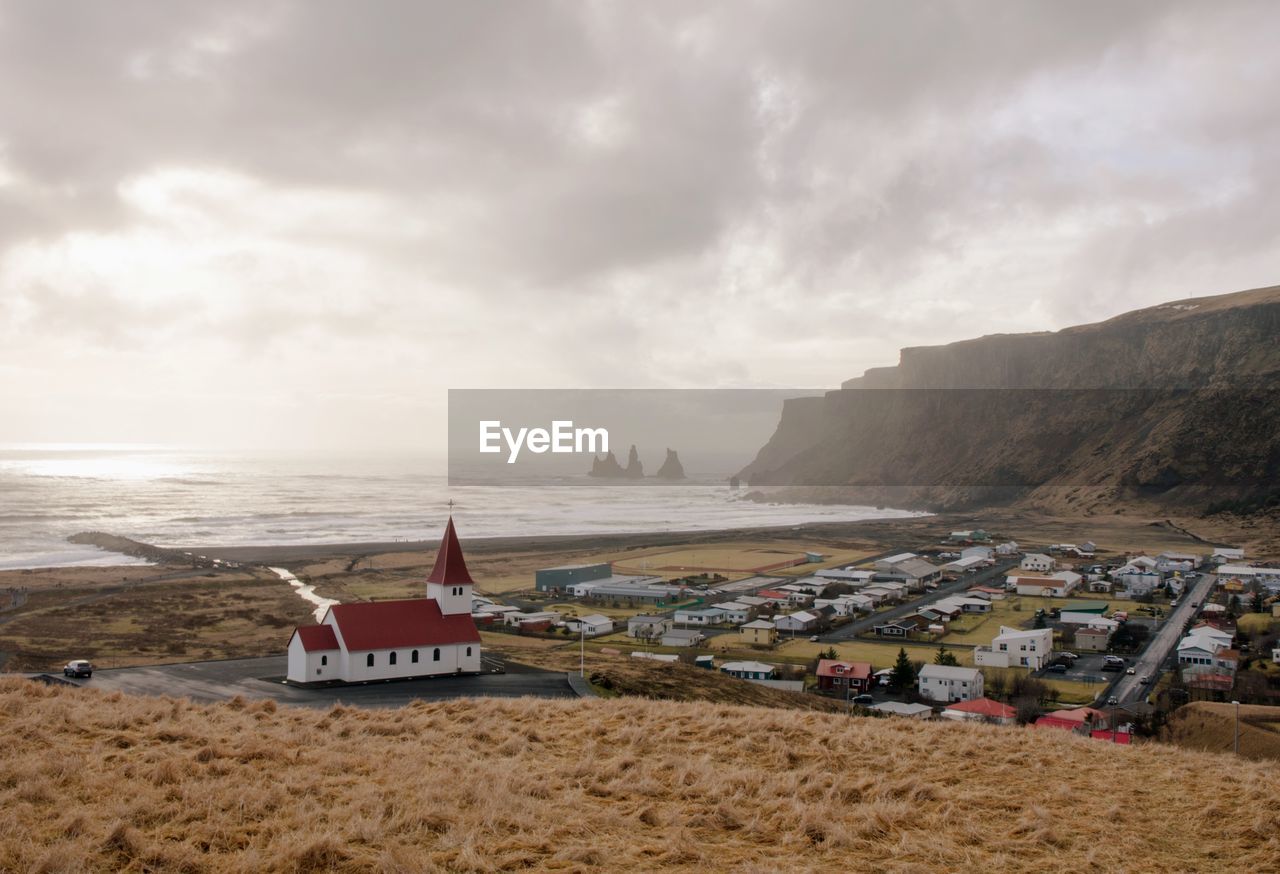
(263, 678)
(966, 581)
(1129, 687)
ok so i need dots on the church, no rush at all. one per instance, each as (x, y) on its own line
(388, 640)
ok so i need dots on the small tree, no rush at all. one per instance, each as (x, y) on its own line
(944, 657)
(903, 675)
(1256, 605)
(1040, 622)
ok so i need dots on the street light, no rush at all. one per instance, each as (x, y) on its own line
(1237, 704)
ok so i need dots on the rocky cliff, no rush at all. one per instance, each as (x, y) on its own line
(1178, 402)
(671, 467)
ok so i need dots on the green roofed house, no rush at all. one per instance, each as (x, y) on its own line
(1098, 607)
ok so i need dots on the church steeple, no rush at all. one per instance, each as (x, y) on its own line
(449, 584)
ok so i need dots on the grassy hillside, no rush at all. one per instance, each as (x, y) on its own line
(1204, 725)
(106, 782)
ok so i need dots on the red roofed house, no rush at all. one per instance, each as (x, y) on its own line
(847, 678)
(386, 640)
(983, 710)
(1081, 719)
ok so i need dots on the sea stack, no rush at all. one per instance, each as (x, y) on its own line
(671, 467)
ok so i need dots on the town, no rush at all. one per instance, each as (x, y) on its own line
(973, 627)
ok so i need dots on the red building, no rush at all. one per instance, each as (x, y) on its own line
(852, 678)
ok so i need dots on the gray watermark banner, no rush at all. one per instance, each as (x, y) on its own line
(1155, 438)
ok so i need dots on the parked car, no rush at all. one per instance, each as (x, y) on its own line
(864, 700)
(1112, 666)
(1130, 671)
(1113, 660)
(813, 638)
(78, 668)
(1144, 680)
(1056, 669)
(1068, 655)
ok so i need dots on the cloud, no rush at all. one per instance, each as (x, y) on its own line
(326, 200)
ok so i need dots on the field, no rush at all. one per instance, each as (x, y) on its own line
(163, 785)
(151, 618)
(1255, 623)
(725, 559)
(1203, 725)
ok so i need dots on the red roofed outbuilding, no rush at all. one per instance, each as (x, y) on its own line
(386, 640)
(982, 710)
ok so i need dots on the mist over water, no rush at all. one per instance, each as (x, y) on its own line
(180, 498)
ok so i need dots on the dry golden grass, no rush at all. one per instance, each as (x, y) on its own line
(1205, 725)
(93, 782)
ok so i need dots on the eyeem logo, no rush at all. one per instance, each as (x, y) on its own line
(562, 438)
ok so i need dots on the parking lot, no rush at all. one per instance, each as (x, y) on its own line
(264, 678)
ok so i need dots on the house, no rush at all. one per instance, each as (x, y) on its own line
(761, 632)
(590, 626)
(947, 683)
(1101, 586)
(1267, 576)
(888, 564)
(736, 613)
(648, 627)
(1037, 561)
(965, 565)
(845, 678)
(1007, 549)
(518, 620)
(901, 627)
(1057, 585)
(986, 553)
(1226, 555)
(1083, 720)
(704, 616)
(981, 710)
(1089, 620)
(774, 596)
(1092, 639)
(793, 622)
(910, 711)
(966, 604)
(975, 536)
(748, 670)
(683, 637)
(1136, 583)
(914, 572)
(1168, 562)
(940, 612)
(386, 640)
(1016, 648)
(990, 593)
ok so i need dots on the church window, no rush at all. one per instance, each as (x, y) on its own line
(413, 657)
(468, 651)
(368, 660)
(435, 655)
(393, 658)
(324, 660)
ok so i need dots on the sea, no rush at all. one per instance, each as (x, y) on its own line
(181, 497)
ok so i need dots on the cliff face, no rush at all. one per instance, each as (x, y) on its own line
(1175, 402)
(671, 467)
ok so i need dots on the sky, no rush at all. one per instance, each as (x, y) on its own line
(298, 224)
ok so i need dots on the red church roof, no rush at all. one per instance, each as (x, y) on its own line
(317, 638)
(450, 568)
(395, 624)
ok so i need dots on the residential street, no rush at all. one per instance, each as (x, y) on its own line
(1130, 688)
(966, 581)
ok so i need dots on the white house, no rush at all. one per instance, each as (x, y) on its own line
(986, 553)
(683, 637)
(643, 626)
(736, 613)
(910, 711)
(1007, 549)
(888, 564)
(1088, 620)
(704, 616)
(386, 640)
(981, 710)
(947, 683)
(1057, 585)
(801, 621)
(1137, 582)
(1016, 648)
(1038, 561)
(846, 575)
(965, 565)
(590, 626)
(1226, 555)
